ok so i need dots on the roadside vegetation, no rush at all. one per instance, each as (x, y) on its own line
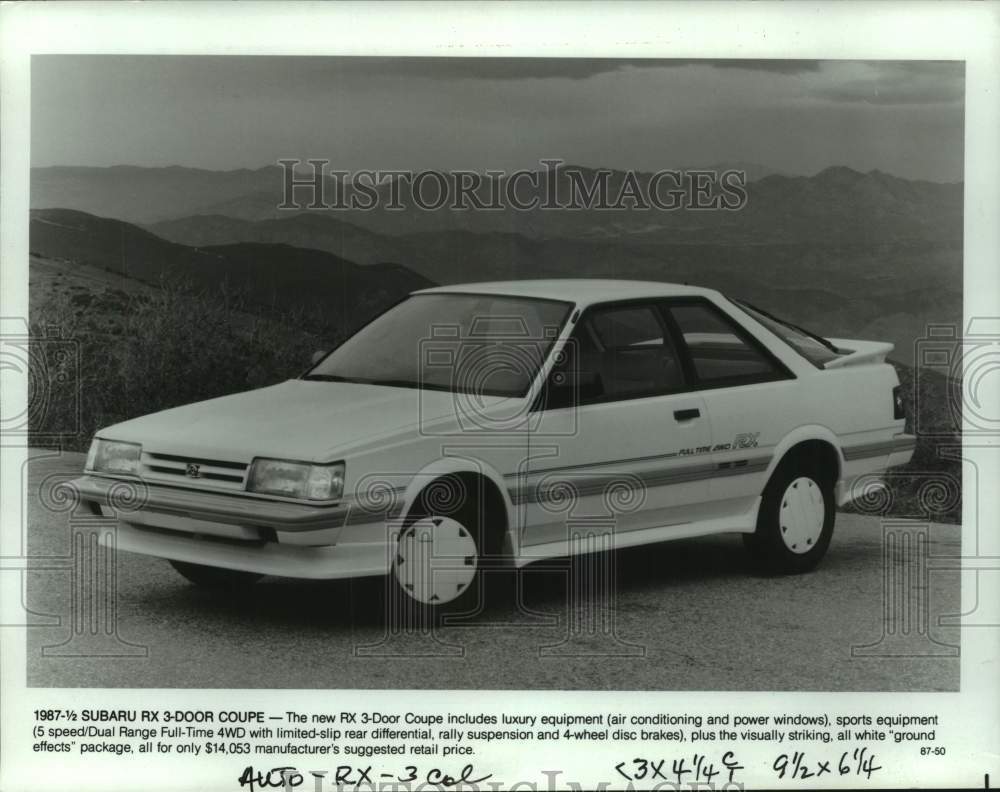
(106, 356)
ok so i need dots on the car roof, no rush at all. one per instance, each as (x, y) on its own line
(582, 291)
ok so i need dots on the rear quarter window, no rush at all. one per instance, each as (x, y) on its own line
(718, 350)
(807, 346)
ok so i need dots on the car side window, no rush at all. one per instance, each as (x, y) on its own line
(618, 352)
(717, 347)
(620, 328)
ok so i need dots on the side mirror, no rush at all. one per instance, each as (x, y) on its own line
(318, 355)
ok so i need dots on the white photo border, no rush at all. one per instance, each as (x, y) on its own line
(870, 31)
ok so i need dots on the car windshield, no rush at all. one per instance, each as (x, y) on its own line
(814, 348)
(463, 343)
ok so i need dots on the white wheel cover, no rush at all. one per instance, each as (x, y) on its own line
(436, 560)
(801, 514)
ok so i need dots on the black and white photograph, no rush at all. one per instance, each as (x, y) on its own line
(512, 377)
(740, 258)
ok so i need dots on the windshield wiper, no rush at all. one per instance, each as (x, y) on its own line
(392, 383)
(327, 378)
(389, 383)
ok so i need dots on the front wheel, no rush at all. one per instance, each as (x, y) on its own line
(215, 578)
(795, 522)
(437, 563)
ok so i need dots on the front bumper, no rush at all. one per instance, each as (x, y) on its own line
(351, 560)
(244, 533)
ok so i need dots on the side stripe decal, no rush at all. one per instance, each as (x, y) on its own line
(881, 448)
(551, 483)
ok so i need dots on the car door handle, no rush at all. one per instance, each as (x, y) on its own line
(687, 415)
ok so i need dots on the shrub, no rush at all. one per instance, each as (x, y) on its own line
(140, 353)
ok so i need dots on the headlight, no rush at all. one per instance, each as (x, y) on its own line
(297, 479)
(112, 456)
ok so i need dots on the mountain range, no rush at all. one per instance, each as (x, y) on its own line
(306, 229)
(318, 286)
(848, 254)
(836, 205)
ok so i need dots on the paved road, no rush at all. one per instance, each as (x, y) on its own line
(688, 615)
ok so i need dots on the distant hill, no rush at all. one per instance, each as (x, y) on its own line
(837, 205)
(318, 231)
(753, 170)
(323, 287)
(844, 252)
(137, 194)
(883, 290)
(886, 291)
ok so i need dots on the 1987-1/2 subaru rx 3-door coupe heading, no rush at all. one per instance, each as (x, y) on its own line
(476, 425)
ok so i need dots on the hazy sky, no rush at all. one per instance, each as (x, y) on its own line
(222, 113)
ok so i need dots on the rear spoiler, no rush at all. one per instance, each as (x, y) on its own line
(856, 353)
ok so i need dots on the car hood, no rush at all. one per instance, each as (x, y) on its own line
(297, 419)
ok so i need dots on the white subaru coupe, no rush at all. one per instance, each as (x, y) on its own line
(499, 424)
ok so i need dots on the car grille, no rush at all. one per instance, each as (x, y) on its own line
(213, 473)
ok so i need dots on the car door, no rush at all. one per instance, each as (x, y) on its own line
(748, 394)
(619, 444)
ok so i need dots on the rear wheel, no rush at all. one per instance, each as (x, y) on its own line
(796, 518)
(215, 578)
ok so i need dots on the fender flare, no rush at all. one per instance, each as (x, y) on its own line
(461, 464)
(802, 434)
